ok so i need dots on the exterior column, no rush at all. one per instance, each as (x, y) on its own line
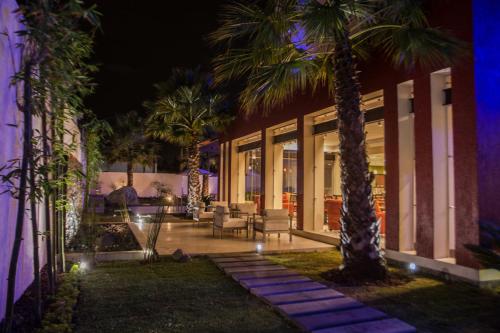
(238, 175)
(406, 171)
(220, 183)
(336, 175)
(319, 183)
(227, 168)
(263, 176)
(300, 173)
(423, 166)
(269, 170)
(277, 190)
(391, 167)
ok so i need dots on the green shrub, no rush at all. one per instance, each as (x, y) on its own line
(59, 314)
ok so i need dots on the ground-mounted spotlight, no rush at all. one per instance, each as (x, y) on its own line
(412, 267)
(258, 247)
(83, 266)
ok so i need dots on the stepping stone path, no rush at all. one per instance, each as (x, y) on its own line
(312, 306)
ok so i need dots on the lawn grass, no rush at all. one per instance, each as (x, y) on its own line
(169, 297)
(427, 303)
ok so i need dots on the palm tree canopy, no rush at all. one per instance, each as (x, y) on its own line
(128, 142)
(186, 110)
(281, 46)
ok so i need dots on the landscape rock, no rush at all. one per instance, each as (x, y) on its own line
(126, 193)
(180, 256)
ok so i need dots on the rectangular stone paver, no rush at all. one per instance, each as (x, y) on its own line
(277, 280)
(231, 270)
(237, 259)
(233, 255)
(311, 305)
(304, 296)
(286, 288)
(391, 325)
(245, 263)
(243, 276)
(334, 304)
(338, 318)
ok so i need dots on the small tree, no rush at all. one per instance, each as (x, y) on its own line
(185, 112)
(129, 144)
(279, 47)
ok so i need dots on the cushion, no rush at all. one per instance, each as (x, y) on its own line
(274, 213)
(277, 225)
(247, 207)
(218, 203)
(206, 215)
(235, 223)
(272, 225)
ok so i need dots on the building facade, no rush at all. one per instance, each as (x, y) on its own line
(432, 141)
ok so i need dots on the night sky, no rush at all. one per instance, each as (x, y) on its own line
(141, 41)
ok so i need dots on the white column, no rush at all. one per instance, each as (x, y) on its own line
(227, 154)
(319, 182)
(278, 177)
(240, 168)
(308, 173)
(269, 169)
(336, 176)
(441, 176)
(406, 139)
(234, 172)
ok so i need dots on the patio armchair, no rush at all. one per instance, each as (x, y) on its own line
(246, 210)
(273, 221)
(200, 214)
(224, 221)
(214, 204)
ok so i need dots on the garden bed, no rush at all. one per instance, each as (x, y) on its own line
(109, 237)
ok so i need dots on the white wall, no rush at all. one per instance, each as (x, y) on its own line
(109, 181)
(11, 148)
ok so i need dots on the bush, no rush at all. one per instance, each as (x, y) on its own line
(59, 315)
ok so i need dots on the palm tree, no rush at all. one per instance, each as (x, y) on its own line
(185, 112)
(283, 46)
(129, 144)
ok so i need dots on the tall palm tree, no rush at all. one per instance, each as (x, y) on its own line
(282, 46)
(185, 112)
(129, 144)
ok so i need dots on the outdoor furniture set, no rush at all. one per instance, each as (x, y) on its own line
(244, 216)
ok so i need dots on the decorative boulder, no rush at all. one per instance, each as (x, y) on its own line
(126, 193)
(181, 256)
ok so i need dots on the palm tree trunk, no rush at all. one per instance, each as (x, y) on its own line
(37, 287)
(11, 283)
(48, 221)
(204, 186)
(193, 177)
(130, 174)
(360, 236)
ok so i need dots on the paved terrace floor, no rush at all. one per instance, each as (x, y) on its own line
(199, 240)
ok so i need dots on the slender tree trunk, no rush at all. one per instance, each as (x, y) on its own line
(37, 287)
(11, 284)
(193, 177)
(130, 174)
(204, 187)
(48, 221)
(62, 226)
(360, 236)
(53, 199)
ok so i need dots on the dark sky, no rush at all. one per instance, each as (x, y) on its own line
(141, 41)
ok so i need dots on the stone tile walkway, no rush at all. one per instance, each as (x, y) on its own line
(312, 306)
